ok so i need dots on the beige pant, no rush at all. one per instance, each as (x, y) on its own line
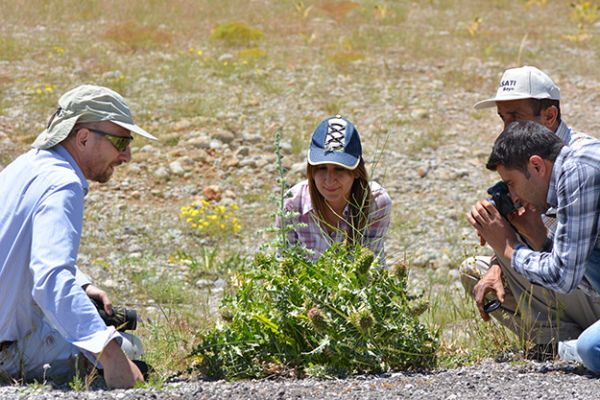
(532, 312)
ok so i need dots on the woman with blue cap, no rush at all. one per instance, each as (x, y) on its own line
(337, 203)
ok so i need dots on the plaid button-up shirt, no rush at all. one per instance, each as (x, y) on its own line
(308, 232)
(574, 191)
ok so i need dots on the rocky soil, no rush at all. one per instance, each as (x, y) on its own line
(488, 380)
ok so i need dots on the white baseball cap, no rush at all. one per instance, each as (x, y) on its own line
(523, 83)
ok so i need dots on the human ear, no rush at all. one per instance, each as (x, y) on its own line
(537, 164)
(81, 137)
(549, 117)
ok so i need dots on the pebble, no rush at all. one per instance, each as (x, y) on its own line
(176, 168)
(224, 136)
(162, 173)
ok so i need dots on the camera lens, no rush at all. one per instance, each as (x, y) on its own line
(491, 306)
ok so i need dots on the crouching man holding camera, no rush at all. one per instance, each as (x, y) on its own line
(541, 172)
(532, 312)
(47, 317)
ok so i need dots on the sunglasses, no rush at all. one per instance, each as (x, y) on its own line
(120, 142)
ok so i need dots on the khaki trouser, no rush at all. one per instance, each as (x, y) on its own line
(532, 312)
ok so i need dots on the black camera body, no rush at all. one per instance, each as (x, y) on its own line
(501, 198)
(122, 318)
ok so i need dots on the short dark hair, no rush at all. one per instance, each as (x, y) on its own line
(521, 140)
(539, 105)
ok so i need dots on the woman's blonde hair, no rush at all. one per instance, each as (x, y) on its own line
(359, 202)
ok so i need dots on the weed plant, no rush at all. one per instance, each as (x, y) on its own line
(337, 316)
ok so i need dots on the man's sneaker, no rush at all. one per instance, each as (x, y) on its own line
(567, 350)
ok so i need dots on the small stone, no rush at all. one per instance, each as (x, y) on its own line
(298, 168)
(176, 168)
(286, 148)
(225, 57)
(182, 124)
(203, 283)
(231, 162)
(422, 172)
(248, 138)
(212, 192)
(199, 142)
(243, 151)
(148, 149)
(224, 136)
(248, 162)
(419, 113)
(220, 283)
(162, 173)
(134, 168)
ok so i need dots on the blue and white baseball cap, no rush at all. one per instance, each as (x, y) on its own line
(335, 141)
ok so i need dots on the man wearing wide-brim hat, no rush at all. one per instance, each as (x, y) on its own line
(47, 319)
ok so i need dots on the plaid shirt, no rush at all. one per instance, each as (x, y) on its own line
(574, 140)
(574, 191)
(313, 237)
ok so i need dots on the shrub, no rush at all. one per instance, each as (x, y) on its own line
(211, 219)
(236, 34)
(336, 316)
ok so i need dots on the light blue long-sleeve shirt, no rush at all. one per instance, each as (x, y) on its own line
(41, 214)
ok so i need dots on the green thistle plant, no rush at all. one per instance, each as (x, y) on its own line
(308, 321)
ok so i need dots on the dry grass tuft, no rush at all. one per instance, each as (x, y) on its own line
(338, 10)
(137, 37)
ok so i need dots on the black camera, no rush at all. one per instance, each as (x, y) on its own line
(122, 318)
(501, 198)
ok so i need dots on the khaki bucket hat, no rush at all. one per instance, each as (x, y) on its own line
(87, 103)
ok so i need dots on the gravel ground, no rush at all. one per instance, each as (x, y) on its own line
(488, 380)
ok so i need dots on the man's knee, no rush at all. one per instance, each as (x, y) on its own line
(470, 272)
(469, 268)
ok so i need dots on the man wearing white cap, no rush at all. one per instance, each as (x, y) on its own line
(46, 315)
(544, 316)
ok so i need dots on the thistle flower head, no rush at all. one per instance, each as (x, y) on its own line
(400, 270)
(288, 266)
(317, 319)
(364, 261)
(362, 320)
